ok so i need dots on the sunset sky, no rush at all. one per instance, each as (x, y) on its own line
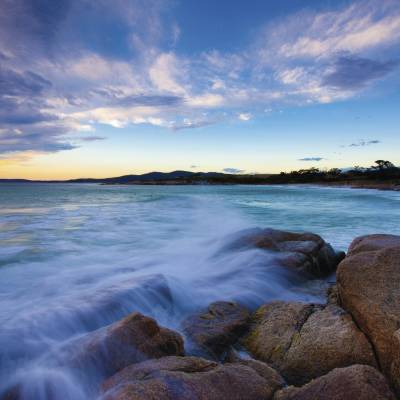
(98, 88)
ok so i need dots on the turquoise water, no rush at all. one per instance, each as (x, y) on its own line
(74, 258)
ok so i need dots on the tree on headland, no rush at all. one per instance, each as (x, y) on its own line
(382, 165)
(334, 171)
(308, 171)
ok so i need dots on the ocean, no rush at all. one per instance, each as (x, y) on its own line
(77, 257)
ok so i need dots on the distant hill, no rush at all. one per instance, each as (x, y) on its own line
(152, 177)
(16, 181)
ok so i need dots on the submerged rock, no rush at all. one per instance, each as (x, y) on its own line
(305, 252)
(368, 281)
(188, 378)
(305, 341)
(133, 339)
(357, 382)
(218, 327)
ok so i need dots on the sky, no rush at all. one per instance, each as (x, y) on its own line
(98, 88)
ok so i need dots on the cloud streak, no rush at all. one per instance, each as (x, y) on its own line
(311, 159)
(363, 143)
(233, 170)
(92, 138)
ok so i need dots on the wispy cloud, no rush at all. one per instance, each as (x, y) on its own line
(245, 116)
(355, 28)
(363, 143)
(330, 55)
(192, 123)
(92, 138)
(40, 141)
(311, 159)
(233, 170)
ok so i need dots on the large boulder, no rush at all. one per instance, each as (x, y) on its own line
(133, 339)
(215, 329)
(357, 382)
(368, 281)
(188, 378)
(304, 252)
(305, 341)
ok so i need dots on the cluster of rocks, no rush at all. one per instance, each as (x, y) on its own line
(348, 348)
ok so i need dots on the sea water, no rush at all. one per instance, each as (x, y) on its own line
(77, 257)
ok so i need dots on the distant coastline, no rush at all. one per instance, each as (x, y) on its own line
(383, 176)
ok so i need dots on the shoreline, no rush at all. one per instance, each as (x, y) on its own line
(385, 186)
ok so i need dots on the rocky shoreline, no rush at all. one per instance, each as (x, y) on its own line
(345, 348)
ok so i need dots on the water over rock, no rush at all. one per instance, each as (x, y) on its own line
(133, 339)
(305, 252)
(105, 351)
(188, 378)
(215, 329)
(359, 382)
(305, 341)
(368, 283)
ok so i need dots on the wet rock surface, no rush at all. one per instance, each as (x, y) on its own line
(304, 252)
(187, 378)
(133, 339)
(217, 327)
(359, 382)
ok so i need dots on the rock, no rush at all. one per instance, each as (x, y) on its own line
(357, 382)
(305, 341)
(332, 295)
(305, 252)
(235, 357)
(273, 327)
(328, 339)
(395, 365)
(188, 378)
(217, 328)
(373, 243)
(133, 339)
(264, 370)
(368, 281)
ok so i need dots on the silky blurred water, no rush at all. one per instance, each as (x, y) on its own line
(76, 257)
